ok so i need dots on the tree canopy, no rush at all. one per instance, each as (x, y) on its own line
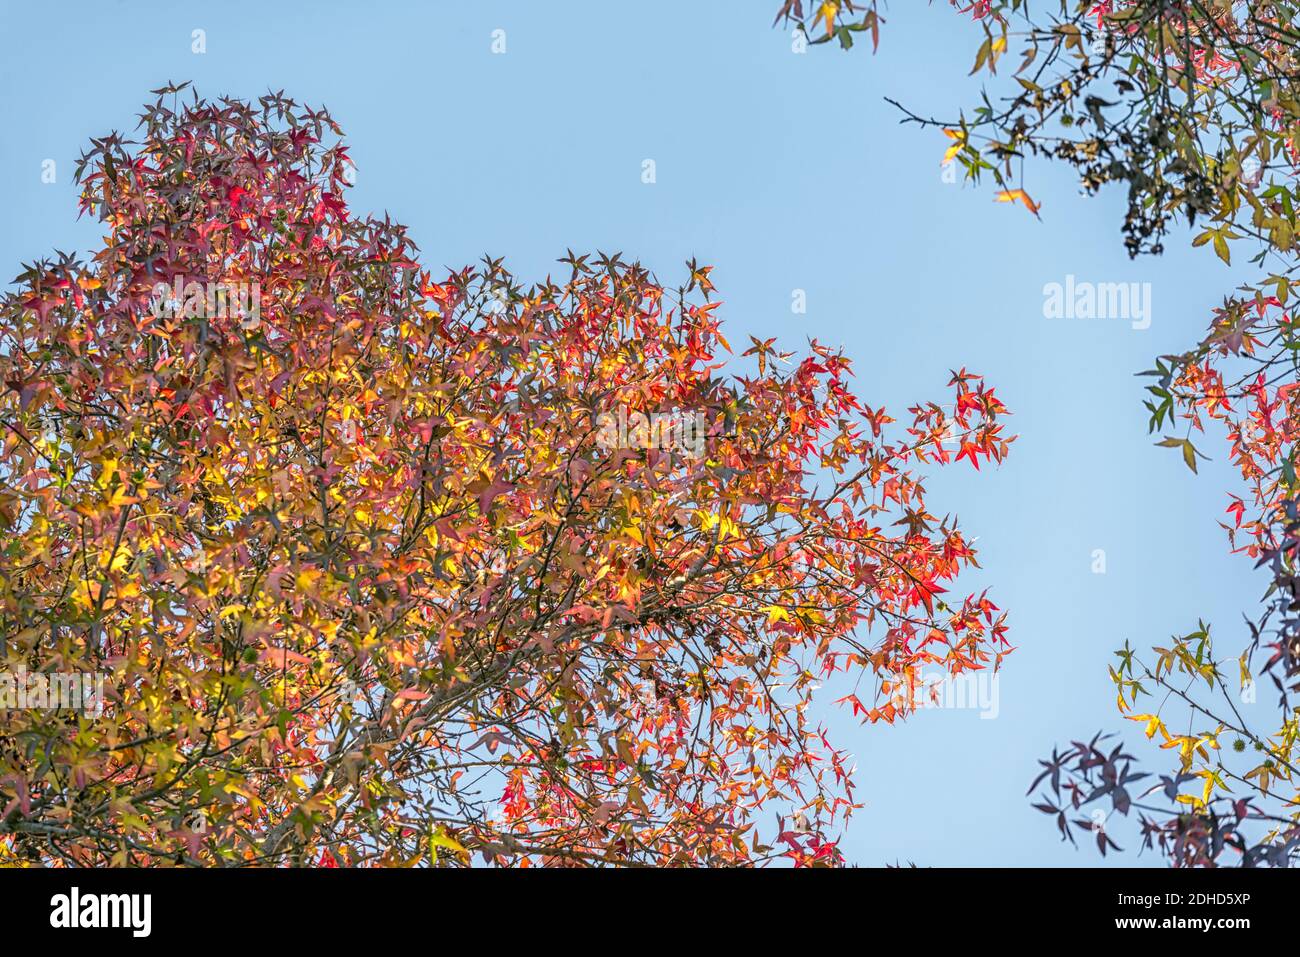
(367, 582)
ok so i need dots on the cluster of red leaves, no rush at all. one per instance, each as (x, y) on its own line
(367, 587)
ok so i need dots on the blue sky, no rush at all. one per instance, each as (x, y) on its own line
(785, 172)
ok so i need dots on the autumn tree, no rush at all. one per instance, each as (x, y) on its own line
(1192, 107)
(369, 581)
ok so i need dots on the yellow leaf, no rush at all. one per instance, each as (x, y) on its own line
(959, 139)
(828, 11)
(304, 580)
(1014, 195)
(109, 469)
(86, 593)
(1154, 723)
(1221, 247)
(118, 557)
(440, 838)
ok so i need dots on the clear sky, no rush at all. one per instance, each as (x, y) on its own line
(786, 172)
